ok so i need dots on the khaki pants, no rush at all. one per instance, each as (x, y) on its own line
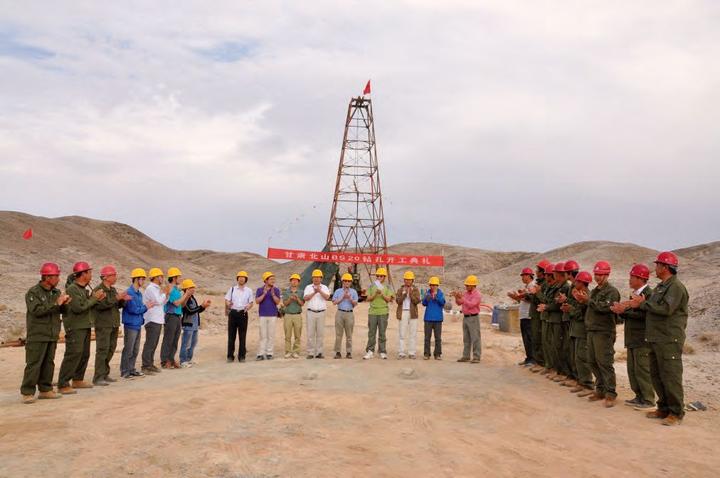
(293, 329)
(407, 334)
(344, 324)
(471, 337)
(315, 332)
(266, 344)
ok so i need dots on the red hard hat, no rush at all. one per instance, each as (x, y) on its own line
(527, 271)
(641, 271)
(572, 266)
(548, 268)
(543, 263)
(602, 268)
(584, 277)
(107, 271)
(559, 267)
(667, 258)
(49, 269)
(81, 267)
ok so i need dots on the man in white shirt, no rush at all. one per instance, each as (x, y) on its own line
(238, 302)
(155, 300)
(527, 276)
(316, 296)
(408, 298)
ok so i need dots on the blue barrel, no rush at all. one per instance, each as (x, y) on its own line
(495, 315)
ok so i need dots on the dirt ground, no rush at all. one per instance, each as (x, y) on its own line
(297, 418)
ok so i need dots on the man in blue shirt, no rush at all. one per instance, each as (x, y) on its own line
(434, 301)
(346, 299)
(173, 319)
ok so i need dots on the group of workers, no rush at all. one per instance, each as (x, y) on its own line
(569, 332)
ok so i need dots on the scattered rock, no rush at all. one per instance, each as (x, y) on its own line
(408, 373)
(310, 376)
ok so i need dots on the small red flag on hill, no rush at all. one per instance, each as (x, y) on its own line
(27, 234)
(366, 91)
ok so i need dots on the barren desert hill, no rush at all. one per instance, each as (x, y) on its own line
(68, 239)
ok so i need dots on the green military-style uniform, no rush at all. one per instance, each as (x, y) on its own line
(547, 292)
(665, 323)
(600, 324)
(578, 333)
(43, 328)
(638, 352)
(106, 314)
(536, 325)
(568, 347)
(77, 322)
(556, 329)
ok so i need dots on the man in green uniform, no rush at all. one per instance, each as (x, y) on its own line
(600, 324)
(638, 351)
(555, 325)
(666, 320)
(576, 311)
(535, 323)
(107, 323)
(77, 322)
(44, 304)
(566, 300)
(545, 296)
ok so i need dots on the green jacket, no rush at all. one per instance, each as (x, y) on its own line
(79, 310)
(534, 300)
(546, 294)
(378, 306)
(554, 314)
(43, 314)
(576, 315)
(106, 312)
(635, 324)
(667, 312)
(599, 317)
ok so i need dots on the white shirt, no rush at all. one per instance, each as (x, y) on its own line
(524, 309)
(406, 302)
(239, 297)
(317, 302)
(639, 291)
(155, 313)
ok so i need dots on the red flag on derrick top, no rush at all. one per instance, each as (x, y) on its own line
(27, 234)
(366, 91)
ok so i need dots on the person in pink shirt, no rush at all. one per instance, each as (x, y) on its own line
(470, 303)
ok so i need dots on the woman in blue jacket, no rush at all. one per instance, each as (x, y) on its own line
(434, 301)
(132, 319)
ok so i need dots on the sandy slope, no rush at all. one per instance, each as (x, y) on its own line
(332, 418)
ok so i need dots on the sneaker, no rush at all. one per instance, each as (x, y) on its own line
(127, 376)
(368, 355)
(438, 357)
(348, 355)
(259, 358)
(268, 357)
(401, 356)
(412, 357)
(295, 356)
(288, 355)
(642, 406)
(310, 357)
(383, 356)
(338, 355)
(633, 402)
(135, 373)
(426, 357)
(463, 359)
(319, 356)
(186, 365)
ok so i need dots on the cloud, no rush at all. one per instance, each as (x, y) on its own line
(544, 122)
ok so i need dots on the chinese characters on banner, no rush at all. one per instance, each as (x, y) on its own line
(385, 259)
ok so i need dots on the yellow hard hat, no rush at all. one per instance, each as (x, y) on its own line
(187, 284)
(174, 272)
(317, 273)
(347, 276)
(267, 275)
(295, 276)
(242, 274)
(381, 272)
(155, 272)
(409, 275)
(471, 280)
(434, 281)
(138, 272)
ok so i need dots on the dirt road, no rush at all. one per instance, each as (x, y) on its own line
(329, 418)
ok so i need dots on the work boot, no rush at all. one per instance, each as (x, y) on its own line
(28, 399)
(67, 390)
(585, 392)
(610, 402)
(560, 378)
(338, 355)
(569, 383)
(596, 397)
(657, 414)
(463, 359)
(577, 388)
(348, 355)
(176, 364)
(81, 384)
(536, 368)
(100, 383)
(149, 370)
(51, 395)
(671, 420)
(545, 371)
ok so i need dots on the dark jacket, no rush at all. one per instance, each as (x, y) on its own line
(79, 314)
(635, 324)
(191, 312)
(43, 314)
(667, 312)
(599, 317)
(106, 312)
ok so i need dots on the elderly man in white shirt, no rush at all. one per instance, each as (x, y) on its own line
(238, 301)
(155, 299)
(316, 296)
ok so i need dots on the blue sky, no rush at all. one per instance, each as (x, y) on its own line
(500, 124)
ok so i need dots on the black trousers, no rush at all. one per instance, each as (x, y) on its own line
(237, 326)
(436, 328)
(526, 331)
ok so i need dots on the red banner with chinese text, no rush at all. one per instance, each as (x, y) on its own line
(384, 259)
